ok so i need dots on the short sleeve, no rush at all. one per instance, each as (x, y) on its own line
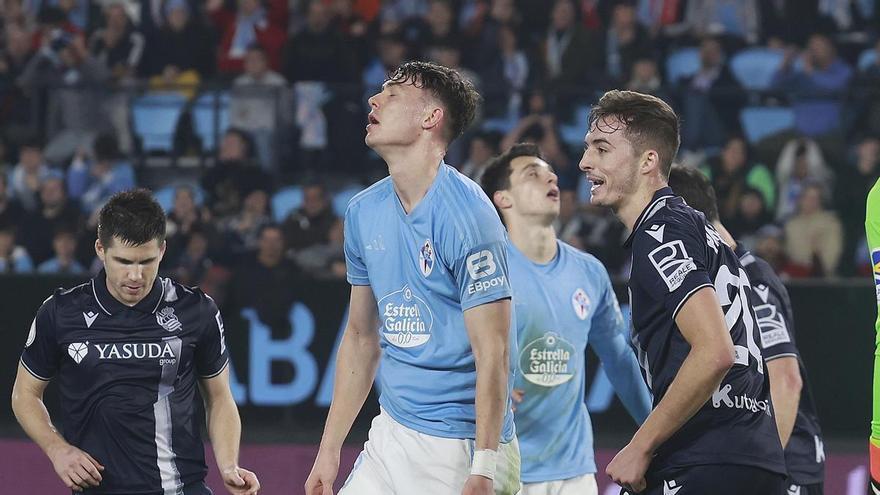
(480, 262)
(355, 268)
(211, 355)
(670, 260)
(773, 325)
(41, 355)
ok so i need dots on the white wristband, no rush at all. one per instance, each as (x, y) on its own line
(484, 463)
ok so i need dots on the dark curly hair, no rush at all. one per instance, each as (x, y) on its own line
(458, 95)
(647, 122)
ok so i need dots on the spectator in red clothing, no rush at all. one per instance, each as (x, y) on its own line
(254, 22)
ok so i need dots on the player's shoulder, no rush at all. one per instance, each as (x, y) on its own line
(582, 259)
(373, 194)
(66, 298)
(667, 220)
(465, 205)
(762, 277)
(180, 295)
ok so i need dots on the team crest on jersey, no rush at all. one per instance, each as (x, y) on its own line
(546, 361)
(78, 351)
(168, 320)
(407, 319)
(581, 303)
(672, 262)
(426, 257)
(875, 261)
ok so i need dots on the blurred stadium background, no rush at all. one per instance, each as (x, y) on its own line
(247, 120)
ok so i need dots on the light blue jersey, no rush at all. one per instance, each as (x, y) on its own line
(425, 269)
(561, 307)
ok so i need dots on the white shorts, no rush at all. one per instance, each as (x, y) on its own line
(582, 485)
(397, 460)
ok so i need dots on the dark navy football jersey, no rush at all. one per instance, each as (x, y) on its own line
(675, 254)
(128, 377)
(805, 452)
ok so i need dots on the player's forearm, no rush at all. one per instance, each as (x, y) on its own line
(491, 399)
(224, 429)
(785, 391)
(356, 364)
(699, 376)
(34, 419)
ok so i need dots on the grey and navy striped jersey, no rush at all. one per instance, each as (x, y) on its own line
(128, 377)
(805, 452)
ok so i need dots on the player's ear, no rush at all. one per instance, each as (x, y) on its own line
(434, 117)
(501, 200)
(649, 162)
(162, 247)
(99, 249)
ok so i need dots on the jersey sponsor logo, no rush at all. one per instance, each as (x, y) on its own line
(771, 325)
(656, 231)
(721, 398)
(426, 257)
(672, 262)
(820, 449)
(763, 292)
(481, 264)
(32, 334)
(581, 303)
(137, 350)
(90, 318)
(78, 351)
(546, 361)
(377, 244)
(168, 320)
(875, 261)
(793, 490)
(406, 318)
(671, 487)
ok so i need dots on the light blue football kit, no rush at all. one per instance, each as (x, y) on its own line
(561, 307)
(425, 269)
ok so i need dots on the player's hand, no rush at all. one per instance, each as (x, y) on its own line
(240, 481)
(320, 480)
(76, 468)
(517, 396)
(478, 485)
(628, 468)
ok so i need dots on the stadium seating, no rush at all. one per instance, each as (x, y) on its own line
(867, 58)
(754, 67)
(209, 108)
(285, 201)
(341, 198)
(154, 120)
(165, 195)
(760, 122)
(681, 63)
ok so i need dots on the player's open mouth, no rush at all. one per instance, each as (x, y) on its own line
(554, 193)
(373, 120)
(597, 182)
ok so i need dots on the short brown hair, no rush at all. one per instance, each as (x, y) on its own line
(458, 95)
(650, 123)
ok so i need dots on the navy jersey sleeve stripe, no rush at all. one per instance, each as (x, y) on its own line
(35, 375)
(685, 299)
(212, 375)
(777, 356)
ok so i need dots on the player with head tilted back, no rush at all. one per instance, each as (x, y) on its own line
(796, 417)
(128, 350)
(563, 300)
(712, 428)
(425, 247)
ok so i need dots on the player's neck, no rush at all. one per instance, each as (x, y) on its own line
(633, 206)
(536, 242)
(725, 235)
(412, 171)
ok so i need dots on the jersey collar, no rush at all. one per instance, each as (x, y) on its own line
(110, 305)
(657, 202)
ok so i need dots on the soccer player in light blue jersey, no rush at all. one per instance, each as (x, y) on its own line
(425, 247)
(563, 301)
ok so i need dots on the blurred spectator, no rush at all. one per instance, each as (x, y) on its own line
(14, 13)
(75, 110)
(751, 215)
(26, 176)
(391, 53)
(625, 41)
(508, 77)
(730, 18)
(92, 182)
(645, 78)
(449, 55)
(435, 27)
(853, 183)
(260, 103)
(481, 31)
(351, 22)
(11, 211)
(863, 112)
(117, 46)
(800, 162)
(849, 15)
(244, 228)
(569, 53)
(540, 127)
(55, 212)
(310, 224)
(16, 115)
(813, 237)
(63, 263)
(710, 100)
(770, 246)
(253, 22)
(399, 11)
(184, 218)
(193, 264)
(482, 147)
(325, 260)
(569, 223)
(13, 258)
(182, 49)
(815, 86)
(234, 175)
(262, 281)
(776, 25)
(732, 172)
(662, 17)
(318, 52)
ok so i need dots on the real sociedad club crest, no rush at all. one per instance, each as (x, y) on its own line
(581, 303)
(426, 257)
(168, 320)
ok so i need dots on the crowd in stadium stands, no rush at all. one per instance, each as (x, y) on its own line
(779, 99)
